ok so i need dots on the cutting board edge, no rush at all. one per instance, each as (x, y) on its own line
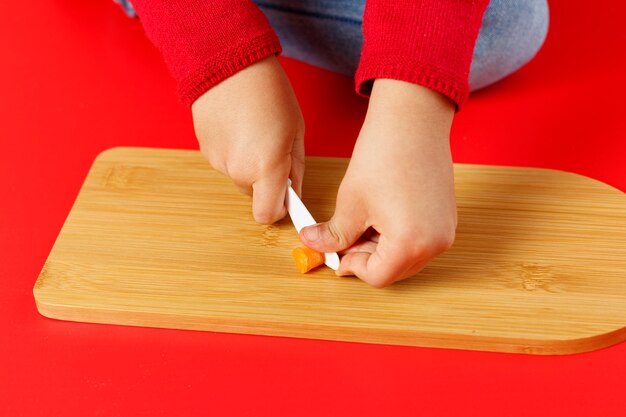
(329, 333)
(124, 151)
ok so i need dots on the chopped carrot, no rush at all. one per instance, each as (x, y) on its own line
(307, 258)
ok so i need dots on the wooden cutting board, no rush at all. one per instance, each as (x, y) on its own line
(157, 238)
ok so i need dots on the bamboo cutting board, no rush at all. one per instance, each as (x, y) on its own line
(157, 238)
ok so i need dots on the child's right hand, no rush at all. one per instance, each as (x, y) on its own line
(251, 129)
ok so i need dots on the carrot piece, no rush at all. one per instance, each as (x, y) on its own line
(307, 258)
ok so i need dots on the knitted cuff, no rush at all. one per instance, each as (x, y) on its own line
(226, 63)
(204, 42)
(444, 82)
(426, 42)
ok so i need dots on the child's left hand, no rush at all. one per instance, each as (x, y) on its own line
(395, 207)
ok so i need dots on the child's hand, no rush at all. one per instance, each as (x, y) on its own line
(396, 207)
(250, 128)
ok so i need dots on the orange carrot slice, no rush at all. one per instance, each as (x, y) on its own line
(307, 258)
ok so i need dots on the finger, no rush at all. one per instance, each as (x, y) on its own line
(247, 190)
(386, 265)
(268, 199)
(243, 183)
(361, 245)
(335, 235)
(366, 243)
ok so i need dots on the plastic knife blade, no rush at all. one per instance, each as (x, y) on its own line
(301, 217)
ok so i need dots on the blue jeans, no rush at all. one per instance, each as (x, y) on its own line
(127, 7)
(327, 34)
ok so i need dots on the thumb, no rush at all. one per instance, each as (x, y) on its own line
(335, 235)
(268, 198)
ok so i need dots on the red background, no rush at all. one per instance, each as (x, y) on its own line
(79, 77)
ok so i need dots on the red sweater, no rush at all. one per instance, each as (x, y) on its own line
(426, 42)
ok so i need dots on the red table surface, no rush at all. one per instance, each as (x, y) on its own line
(79, 77)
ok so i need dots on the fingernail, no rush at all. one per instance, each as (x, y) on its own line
(311, 233)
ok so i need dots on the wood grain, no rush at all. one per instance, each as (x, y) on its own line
(157, 238)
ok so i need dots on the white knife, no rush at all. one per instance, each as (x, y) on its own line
(301, 217)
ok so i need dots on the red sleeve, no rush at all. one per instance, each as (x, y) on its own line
(426, 42)
(204, 42)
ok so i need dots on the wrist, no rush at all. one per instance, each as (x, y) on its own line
(409, 117)
(423, 106)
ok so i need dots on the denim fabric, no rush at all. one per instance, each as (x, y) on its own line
(511, 34)
(324, 33)
(327, 33)
(127, 7)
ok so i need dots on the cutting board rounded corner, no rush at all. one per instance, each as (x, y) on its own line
(115, 152)
(575, 346)
(45, 309)
(578, 177)
(40, 293)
